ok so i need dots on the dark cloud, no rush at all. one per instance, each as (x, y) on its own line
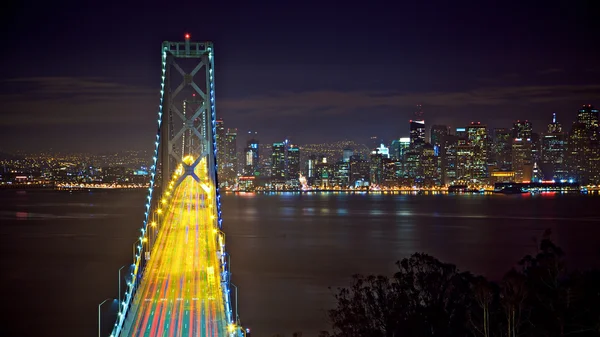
(282, 105)
(73, 101)
(550, 71)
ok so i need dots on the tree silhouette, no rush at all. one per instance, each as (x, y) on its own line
(428, 298)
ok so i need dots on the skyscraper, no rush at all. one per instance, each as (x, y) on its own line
(278, 163)
(417, 128)
(293, 163)
(478, 136)
(347, 153)
(522, 129)
(588, 116)
(230, 166)
(521, 159)
(438, 132)
(417, 132)
(220, 135)
(502, 148)
(555, 126)
(251, 161)
(554, 148)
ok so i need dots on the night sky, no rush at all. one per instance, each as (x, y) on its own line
(81, 76)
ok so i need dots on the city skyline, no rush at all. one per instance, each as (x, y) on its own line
(291, 76)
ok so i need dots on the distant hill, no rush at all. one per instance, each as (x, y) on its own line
(7, 156)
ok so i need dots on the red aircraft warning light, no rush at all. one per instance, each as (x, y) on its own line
(187, 36)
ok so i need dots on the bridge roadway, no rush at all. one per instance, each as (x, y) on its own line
(181, 292)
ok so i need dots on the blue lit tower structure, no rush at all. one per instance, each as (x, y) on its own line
(184, 175)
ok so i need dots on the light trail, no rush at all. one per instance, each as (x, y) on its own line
(181, 291)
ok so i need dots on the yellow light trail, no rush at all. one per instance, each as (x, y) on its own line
(181, 291)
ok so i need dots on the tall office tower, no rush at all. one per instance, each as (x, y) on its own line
(293, 163)
(588, 116)
(554, 148)
(221, 154)
(583, 154)
(417, 132)
(359, 171)
(230, 165)
(278, 163)
(376, 167)
(399, 147)
(536, 147)
(347, 153)
(310, 167)
(521, 159)
(448, 163)
(429, 166)
(383, 150)
(554, 127)
(438, 132)
(417, 128)
(477, 135)
(502, 148)
(251, 159)
(412, 166)
(341, 173)
(522, 129)
(464, 161)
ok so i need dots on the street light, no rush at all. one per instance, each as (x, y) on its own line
(100, 317)
(120, 282)
(134, 244)
(236, 301)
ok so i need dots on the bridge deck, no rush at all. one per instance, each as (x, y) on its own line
(181, 293)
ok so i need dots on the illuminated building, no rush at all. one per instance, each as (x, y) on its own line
(278, 163)
(383, 150)
(347, 153)
(293, 163)
(230, 166)
(324, 173)
(478, 139)
(461, 133)
(251, 162)
(554, 148)
(522, 129)
(359, 171)
(583, 154)
(310, 167)
(588, 116)
(429, 166)
(376, 167)
(342, 173)
(437, 134)
(464, 161)
(554, 127)
(412, 166)
(399, 147)
(389, 177)
(417, 132)
(502, 149)
(502, 176)
(222, 157)
(536, 148)
(521, 159)
(448, 159)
